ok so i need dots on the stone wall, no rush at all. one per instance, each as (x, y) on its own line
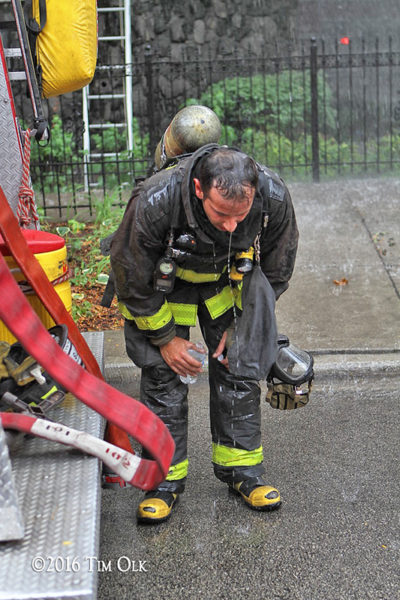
(190, 31)
(217, 27)
(212, 27)
(180, 31)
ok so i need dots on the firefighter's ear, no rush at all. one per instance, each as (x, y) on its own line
(198, 189)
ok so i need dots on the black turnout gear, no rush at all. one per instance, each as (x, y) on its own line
(162, 210)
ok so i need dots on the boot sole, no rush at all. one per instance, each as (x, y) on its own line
(149, 521)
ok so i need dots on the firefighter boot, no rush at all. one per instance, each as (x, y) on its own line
(156, 506)
(257, 494)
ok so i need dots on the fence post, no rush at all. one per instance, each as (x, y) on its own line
(150, 95)
(314, 109)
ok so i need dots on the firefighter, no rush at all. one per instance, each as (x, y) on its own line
(172, 258)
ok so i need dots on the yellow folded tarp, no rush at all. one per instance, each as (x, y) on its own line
(66, 48)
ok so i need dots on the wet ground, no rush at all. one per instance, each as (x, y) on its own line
(336, 461)
(336, 536)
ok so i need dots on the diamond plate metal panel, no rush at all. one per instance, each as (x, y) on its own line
(10, 152)
(59, 495)
(11, 524)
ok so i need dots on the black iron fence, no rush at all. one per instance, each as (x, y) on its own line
(313, 113)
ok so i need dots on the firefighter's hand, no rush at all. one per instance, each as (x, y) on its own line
(220, 350)
(175, 355)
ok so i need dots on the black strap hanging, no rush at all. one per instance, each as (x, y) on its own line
(33, 29)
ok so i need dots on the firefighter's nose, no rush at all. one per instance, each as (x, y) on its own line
(230, 225)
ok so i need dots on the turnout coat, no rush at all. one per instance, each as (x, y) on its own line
(165, 205)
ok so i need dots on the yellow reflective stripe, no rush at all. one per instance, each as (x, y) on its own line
(238, 295)
(156, 321)
(235, 457)
(178, 471)
(153, 322)
(193, 277)
(184, 314)
(47, 394)
(124, 311)
(219, 304)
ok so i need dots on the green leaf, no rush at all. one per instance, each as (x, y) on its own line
(63, 231)
(102, 278)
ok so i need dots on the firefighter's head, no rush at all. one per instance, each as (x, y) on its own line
(226, 182)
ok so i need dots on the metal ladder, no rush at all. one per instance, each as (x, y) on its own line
(90, 156)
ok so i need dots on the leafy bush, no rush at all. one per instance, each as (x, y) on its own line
(279, 103)
(57, 166)
(51, 163)
(111, 172)
(269, 117)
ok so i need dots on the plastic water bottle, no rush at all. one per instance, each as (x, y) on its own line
(198, 356)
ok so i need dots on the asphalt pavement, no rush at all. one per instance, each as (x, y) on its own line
(335, 462)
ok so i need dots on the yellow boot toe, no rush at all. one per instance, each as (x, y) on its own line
(257, 495)
(156, 507)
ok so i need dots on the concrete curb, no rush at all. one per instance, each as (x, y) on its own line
(326, 367)
(355, 366)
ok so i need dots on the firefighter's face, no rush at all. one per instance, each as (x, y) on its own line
(223, 213)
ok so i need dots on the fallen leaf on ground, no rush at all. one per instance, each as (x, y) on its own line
(342, 281)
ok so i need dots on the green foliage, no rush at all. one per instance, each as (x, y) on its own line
(57, 166)
(278, 103)
(80, 307)
(89, 267)
(112, 172)
(108, 215)
(51, 163)
(76, 225)
(269, 117)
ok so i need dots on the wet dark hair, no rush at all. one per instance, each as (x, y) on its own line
(229, 171)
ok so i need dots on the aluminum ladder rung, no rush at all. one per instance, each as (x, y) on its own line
(111, 38)
(17, 75)
(111, 9)
(105, 96)
(104, 154)
(110, 67)
(12, 52)
(106, 125)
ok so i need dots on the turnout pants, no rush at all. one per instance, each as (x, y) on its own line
(234, 405)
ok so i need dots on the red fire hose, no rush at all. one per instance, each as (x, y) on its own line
(34, 273)
(119, 409)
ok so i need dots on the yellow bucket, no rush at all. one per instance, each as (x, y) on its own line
(55, 265)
